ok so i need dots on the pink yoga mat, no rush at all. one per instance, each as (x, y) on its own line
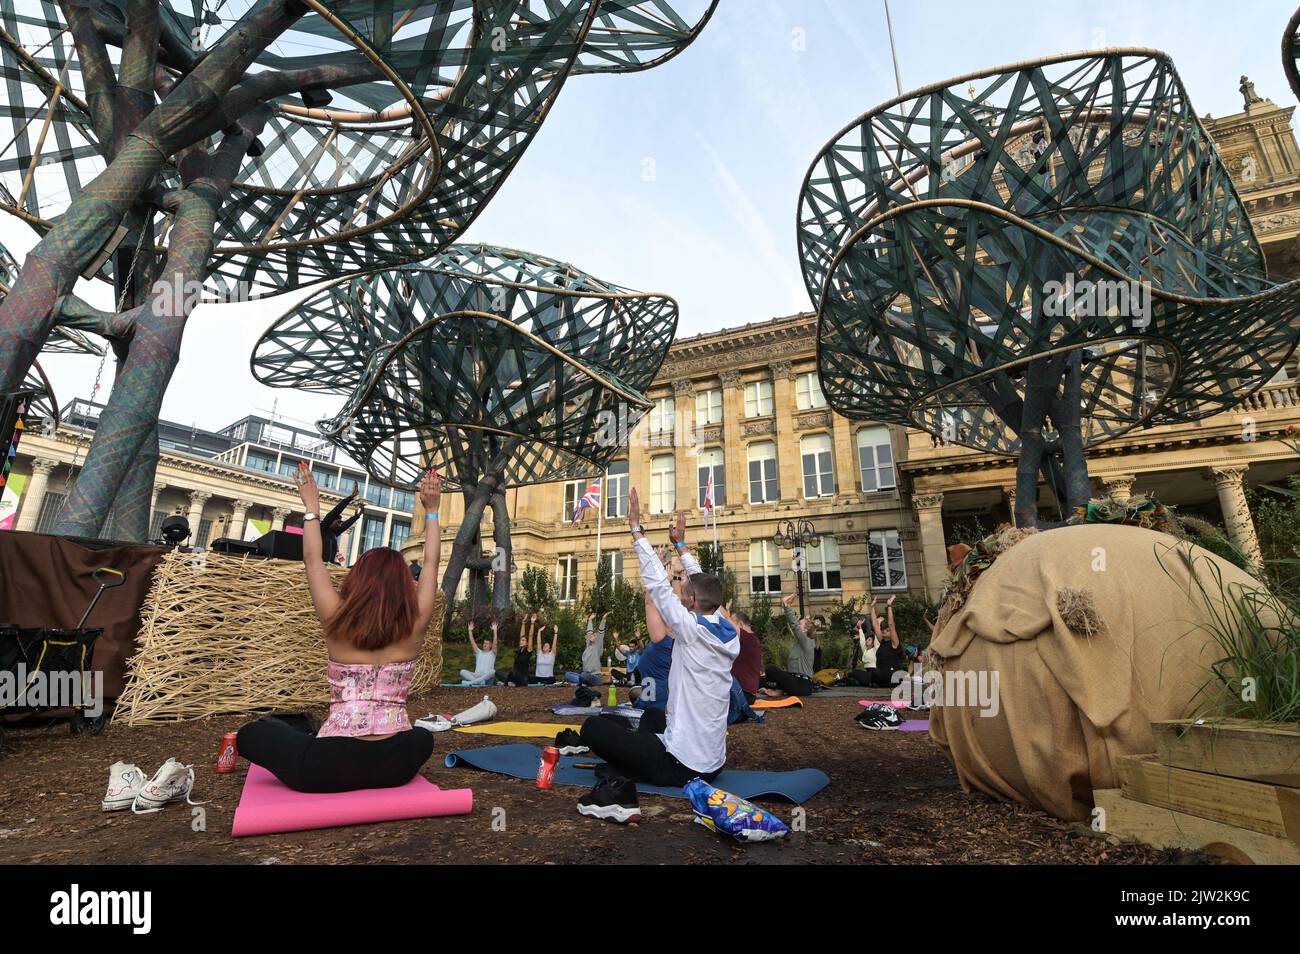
(267, 805)
(889, 702)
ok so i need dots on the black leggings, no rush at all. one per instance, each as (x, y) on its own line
(333, 764)
(787, 682)
(637, 752)
(872, 678)
(512, 677)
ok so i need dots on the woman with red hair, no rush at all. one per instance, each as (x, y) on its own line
(374, 626)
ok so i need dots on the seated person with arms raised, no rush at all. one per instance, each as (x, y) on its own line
(374, 626)
(694, 741)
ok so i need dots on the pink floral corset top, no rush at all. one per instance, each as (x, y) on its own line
(368, 699)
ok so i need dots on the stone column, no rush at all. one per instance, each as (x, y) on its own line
(158, 488)
(686, 459)
(934, 547)
(238, 519)
(277, 517)
(1119, 486)
(1229, 482)
(789, 462)
(1010, 494)
(197, 499)
(34, 495)
(388, 528)
(733, 415)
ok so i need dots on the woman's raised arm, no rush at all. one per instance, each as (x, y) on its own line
(323, 595)
(426, 590)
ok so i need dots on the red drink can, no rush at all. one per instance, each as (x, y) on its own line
(228, 755)
(546, 767)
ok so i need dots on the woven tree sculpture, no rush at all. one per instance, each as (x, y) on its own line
(1291, 52)
(172, 147)
(1033, 260)
(498, 367)
(44, 405)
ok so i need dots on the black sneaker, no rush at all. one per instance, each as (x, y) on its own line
(614, 800)
(570, 743)
(880, 718)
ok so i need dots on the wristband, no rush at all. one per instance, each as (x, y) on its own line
(680, 544)
(430, 516)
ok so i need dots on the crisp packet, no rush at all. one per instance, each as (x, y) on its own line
(725, 813)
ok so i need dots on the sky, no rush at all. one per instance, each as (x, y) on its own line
(684, 179)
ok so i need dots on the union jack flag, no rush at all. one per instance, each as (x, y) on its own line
(590, 501)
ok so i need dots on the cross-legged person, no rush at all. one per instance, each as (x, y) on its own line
(545, 640)
(374, 625)
(796, 678)
(592, 674)
(693, 743)
(517, 674)
(485, 659)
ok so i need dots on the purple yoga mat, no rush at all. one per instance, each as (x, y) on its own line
(915, 725)
(268, 805)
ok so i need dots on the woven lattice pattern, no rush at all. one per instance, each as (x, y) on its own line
(1291, 52)
(44, 405)
(949, 237)
(384, 171)
(485, 349)
(236, 635)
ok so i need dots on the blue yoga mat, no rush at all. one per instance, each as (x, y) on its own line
(520, 760)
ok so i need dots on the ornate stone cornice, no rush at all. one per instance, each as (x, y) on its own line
(809, 419)
(758, 427)
(782, 369)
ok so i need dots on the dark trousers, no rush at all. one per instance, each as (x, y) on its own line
(787, 682)
(334, 764)
(512, 677)
(637, 753)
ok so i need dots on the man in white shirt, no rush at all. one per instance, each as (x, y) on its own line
(694, 741)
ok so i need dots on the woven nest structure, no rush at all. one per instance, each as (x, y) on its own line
(235, 635)
(1069, 214)
(484, 353)
(440, 101)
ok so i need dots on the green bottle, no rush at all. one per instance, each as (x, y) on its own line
(613, 696)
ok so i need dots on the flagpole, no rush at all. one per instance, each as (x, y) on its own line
(600, 518)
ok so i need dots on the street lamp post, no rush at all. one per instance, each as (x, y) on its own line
(797, 535)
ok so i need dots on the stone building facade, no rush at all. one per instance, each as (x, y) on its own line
(743, 404)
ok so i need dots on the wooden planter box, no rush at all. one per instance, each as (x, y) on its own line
(1258, 751)
(1229, 787)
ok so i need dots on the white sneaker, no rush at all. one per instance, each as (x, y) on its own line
(124, 783)
(435, 723)
(171, 783)
(479, 712)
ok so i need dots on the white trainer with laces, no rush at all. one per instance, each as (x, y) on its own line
(124, 783)
(172, 782)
